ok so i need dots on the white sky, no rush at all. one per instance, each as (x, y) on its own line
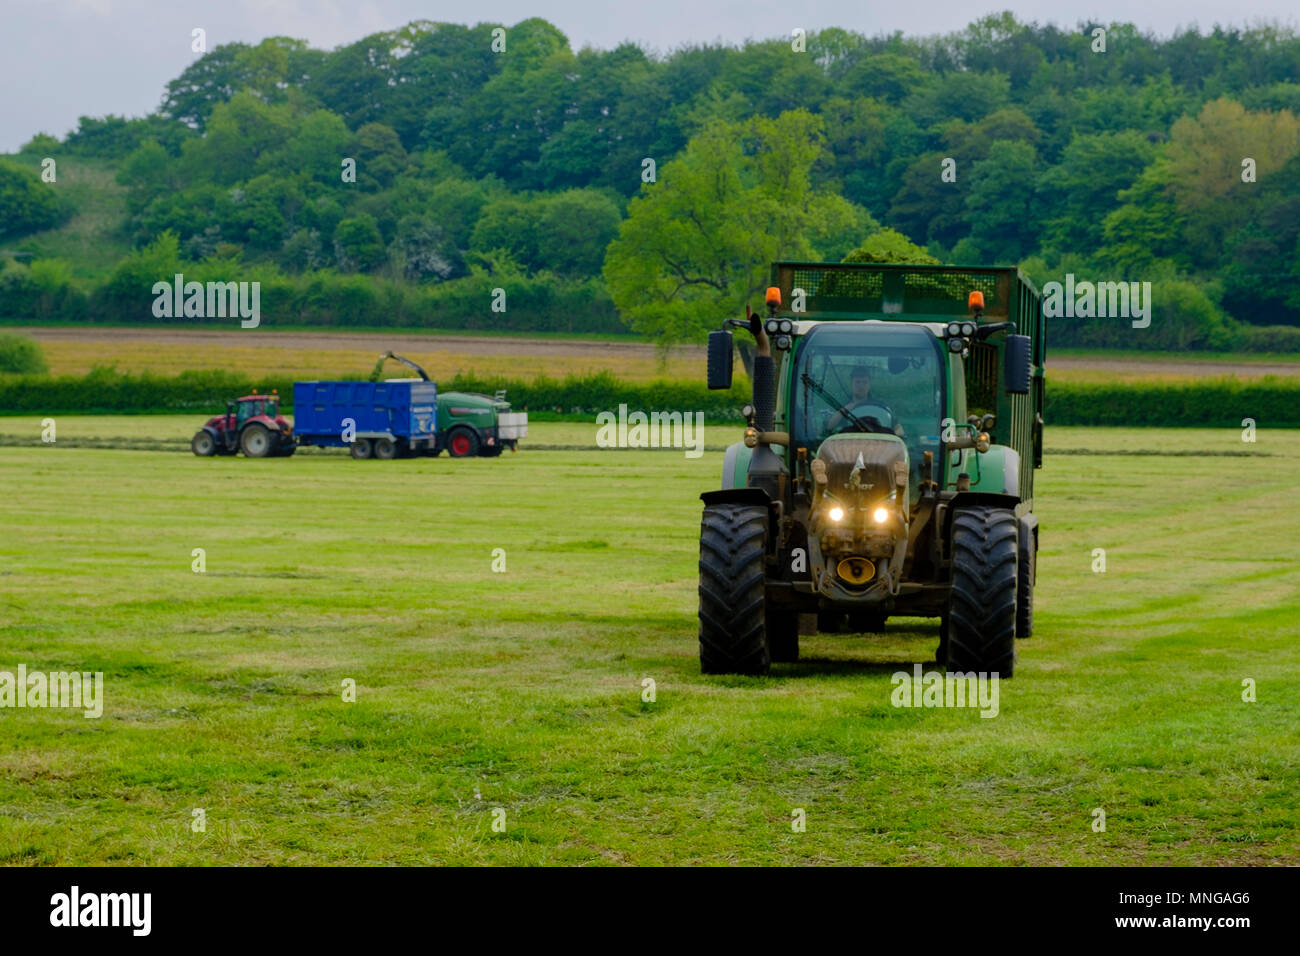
(60, 59)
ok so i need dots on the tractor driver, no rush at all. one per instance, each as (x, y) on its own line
(861, 404)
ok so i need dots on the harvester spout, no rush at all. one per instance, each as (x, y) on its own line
(405, 361)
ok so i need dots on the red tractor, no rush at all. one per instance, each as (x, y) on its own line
(252, 424)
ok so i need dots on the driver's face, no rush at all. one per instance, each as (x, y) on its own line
(861, 388)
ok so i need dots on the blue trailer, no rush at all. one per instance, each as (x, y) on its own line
(384, 419)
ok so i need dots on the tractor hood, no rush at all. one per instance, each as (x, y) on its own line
(474, 400)
(870, 465)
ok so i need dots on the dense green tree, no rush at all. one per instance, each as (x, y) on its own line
(1076, 195)
(695, 246)
(380, 156)
(27, 204)
(358, 246)
(1000, 206)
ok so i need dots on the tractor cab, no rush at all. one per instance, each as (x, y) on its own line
(251, 406)
(877, 379)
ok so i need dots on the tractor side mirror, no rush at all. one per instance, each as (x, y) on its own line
(720, 360)
(1017, 364)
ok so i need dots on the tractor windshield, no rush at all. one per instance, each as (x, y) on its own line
(887, 377)
(249, 409)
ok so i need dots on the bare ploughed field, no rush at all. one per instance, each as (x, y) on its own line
(310, 353)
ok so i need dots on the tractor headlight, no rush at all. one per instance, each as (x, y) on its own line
(954, 329)
(881, 515)
(787, 326)
(956, 345)
(783, 342)
(836, 514)
(967, 329)
(772, 326)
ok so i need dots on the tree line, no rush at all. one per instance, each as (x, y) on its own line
(430, 163)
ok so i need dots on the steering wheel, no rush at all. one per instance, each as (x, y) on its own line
(872, 422)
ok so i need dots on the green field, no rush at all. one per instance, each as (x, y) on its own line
(523, 690)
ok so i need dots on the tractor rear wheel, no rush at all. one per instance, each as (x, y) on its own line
(361, 448)
(733, 545)
(982, 602)
(1028, 568)
(385, 449)
(782, 635)
(257, 441)
(203, 444)
(463, 443)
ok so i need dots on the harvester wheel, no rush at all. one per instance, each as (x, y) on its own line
(463, 443)
(1025, 592)
(385, 449)
(782, 635)
(733, 542)
(361, 448)
(203, 445)
(982, 603)
(257, 441)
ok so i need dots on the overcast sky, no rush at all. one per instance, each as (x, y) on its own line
(60, 59)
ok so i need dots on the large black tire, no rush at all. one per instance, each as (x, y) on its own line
(491, 451)
(257, 441)
(982, 602)
(1026, 572)
(286, 451)
(361, 448)
(733, 639)
(782, 635)
(203, 444)
(462, 443)
(385, 449)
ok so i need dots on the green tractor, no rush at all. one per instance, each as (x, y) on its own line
(887, 465)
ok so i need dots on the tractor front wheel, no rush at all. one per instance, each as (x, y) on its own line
(733, 625)
(982, 603)
(257, 441)
(203, 445)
